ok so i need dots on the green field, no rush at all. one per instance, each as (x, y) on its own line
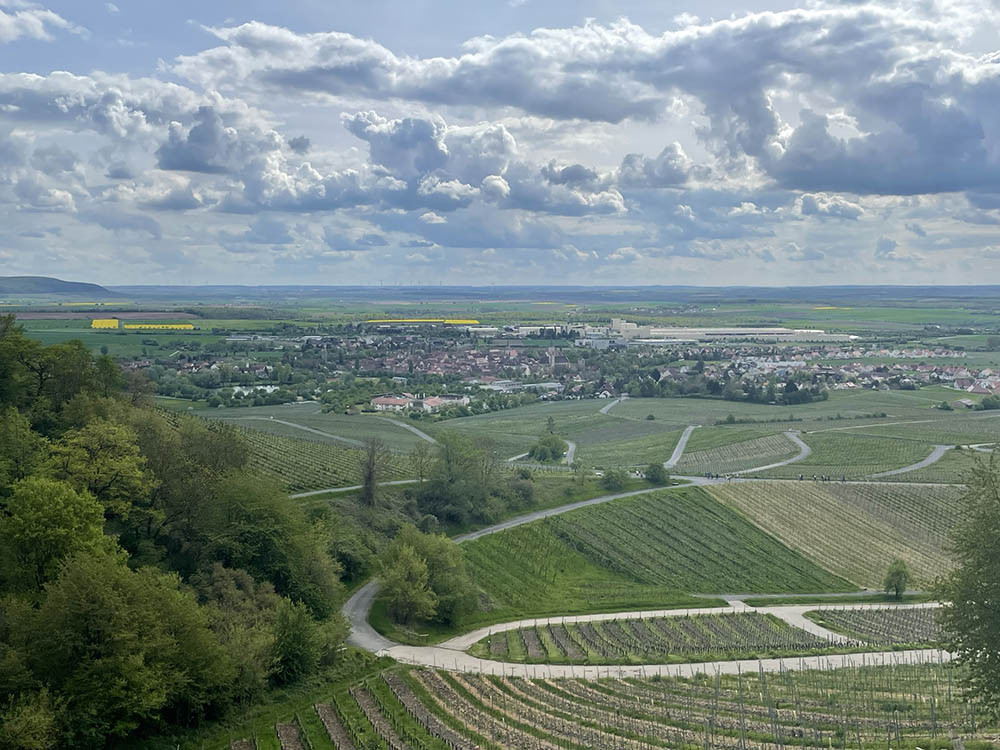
(851, 455)
(853, 530)
(637, 553)
(747, 454)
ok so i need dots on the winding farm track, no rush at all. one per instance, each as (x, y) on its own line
(609, 406)
(933, 458)
(451, 654)
(679, 448)
(804, 452)
(351, 488)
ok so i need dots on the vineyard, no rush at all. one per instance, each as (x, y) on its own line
(656, 640)
(857, 708)
(300, 465)
(853, 530)
(892, 626)
(747, 454)
(848, 454)
(640, 552)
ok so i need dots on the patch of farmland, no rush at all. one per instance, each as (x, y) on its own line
(641, 451)
(808, 708)
(892, 626)
(530, 570)
(853, 530)
(737, 456)
(954, 467)
(637, 553)
(707, 437)
(949, 429)
(300, 465)
(660, 640)
(848, 454)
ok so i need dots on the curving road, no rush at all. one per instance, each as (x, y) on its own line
(804, 452)
(934, 457)
(351, 488)
(679, 448)
(609, 406)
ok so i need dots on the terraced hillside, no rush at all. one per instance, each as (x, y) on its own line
(853, 530)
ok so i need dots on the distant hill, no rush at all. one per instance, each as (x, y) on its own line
(46, 285)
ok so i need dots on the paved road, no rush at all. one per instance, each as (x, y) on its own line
(419, 433)
(570, 452)
(351, 488)
(610, 405)
(934, 457)
(348, 441)
(442, 658)
(804, 451)
(679, 448)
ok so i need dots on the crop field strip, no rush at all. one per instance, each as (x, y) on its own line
(892, 626)
(642, 552)
(853, 530)
(866, 707)
(652, 640)
(848, 454)
(300, 465)
(740, 456)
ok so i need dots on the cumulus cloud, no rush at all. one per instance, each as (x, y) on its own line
(26, 20)
(829, 206)
(671, 168)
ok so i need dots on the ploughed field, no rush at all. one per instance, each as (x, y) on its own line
(870, 707)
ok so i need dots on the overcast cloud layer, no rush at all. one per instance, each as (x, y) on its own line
(829, 143)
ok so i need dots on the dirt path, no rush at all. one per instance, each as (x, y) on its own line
(934, 457)
(679, 448)
(419, 433)
(570, 452)
(609, 406)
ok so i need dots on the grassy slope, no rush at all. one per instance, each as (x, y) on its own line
(637, 553)
(854, 531)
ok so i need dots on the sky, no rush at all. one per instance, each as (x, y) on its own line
(501, 142)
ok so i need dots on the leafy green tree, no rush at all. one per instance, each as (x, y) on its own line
(30, 723)
(656, 474)
(103, 459)
(373, 460)
(298, 645)
(107, 376)
(405, 585)
(22, 450)
(549, 447)
(971, 591)
(614, 480)
(124, 648)
(45, 521)
(897, 579)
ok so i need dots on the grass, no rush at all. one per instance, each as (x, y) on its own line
(853, 530)
(851, 455)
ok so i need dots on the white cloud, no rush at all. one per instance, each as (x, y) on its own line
(28, 21)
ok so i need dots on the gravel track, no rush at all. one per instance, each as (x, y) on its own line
(933, 458)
